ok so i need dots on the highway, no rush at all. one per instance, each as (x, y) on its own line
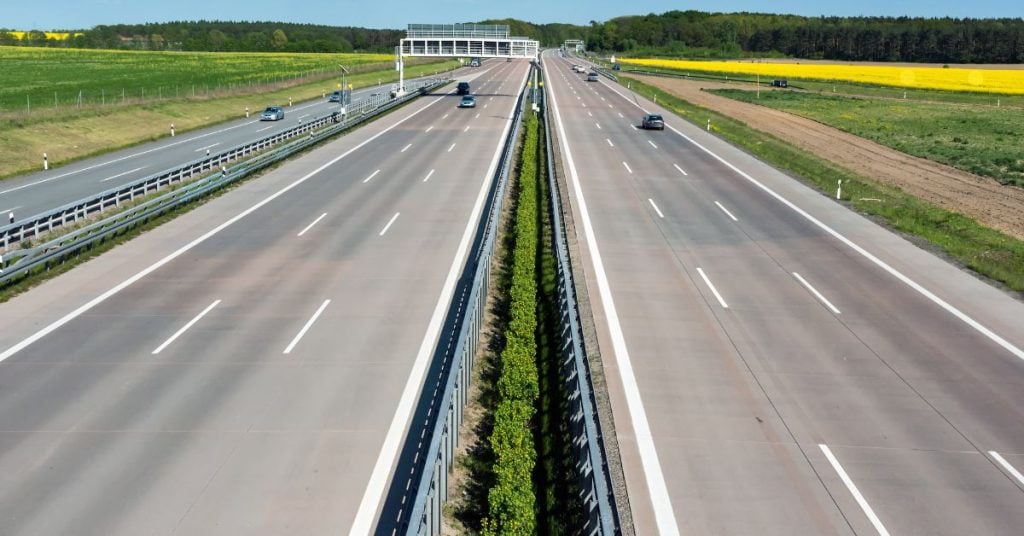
(32, 193)
(250, 366)
(776, 363)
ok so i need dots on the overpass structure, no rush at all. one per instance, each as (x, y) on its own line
(574, 44)
(462, 40)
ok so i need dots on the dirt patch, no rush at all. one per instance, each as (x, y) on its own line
(983, 199)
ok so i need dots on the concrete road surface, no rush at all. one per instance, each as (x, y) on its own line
(34, 193)
(778, 364)
(248, 368)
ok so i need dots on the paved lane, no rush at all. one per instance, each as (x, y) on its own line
(33, 193)
(247, 384)
(776, 380)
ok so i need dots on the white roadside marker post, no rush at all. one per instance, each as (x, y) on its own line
(172, 130)
(839, 189)
(46, 162)
(289, 101)
(247, 111)
(709, 124)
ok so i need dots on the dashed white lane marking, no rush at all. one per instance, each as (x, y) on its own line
(1006, 465)
(598, 125)
(814, 291)
(207, 147)
(184, 328)
(627, 168)
(726, 211)
(450, 148)
(660, 215)
(305, 328)
(610, 144)
(679, 168)
(466, 129)
(310, 226)
(620, 115)
(652, 144)
(265, 128)
(12, 209)
(854, 491)
(122, 174)
(406, 148)
(372, 175)
(445, 116)
(431, 127)
(388, 226)
(477, 116)
(713, 289)
(427, 178)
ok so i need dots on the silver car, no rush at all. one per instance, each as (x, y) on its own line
(273, 113)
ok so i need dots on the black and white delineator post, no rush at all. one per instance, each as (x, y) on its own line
(461, 41)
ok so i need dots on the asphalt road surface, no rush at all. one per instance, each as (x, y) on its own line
(249, 367)
(778, 364)
(34, 193)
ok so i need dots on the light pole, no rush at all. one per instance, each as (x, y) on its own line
(344, 85)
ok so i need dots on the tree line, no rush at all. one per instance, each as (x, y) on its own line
(674, 33)
(695, 33)
(221, 36)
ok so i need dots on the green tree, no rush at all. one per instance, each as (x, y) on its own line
(278, 40)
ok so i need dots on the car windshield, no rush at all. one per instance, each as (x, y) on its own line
(270, 110)
(654, 118)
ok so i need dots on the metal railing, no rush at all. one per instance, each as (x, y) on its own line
(19, 263)
(431, 491)
(28, 228)
(596, 492)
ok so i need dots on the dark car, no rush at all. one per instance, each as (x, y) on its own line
(653, 121)
(468, 101)
(616, 67)
(273, 113)
(780, 83)
(335, 96)
(462, 88)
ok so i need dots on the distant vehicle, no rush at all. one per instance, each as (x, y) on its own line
(335, 96)
(616, 67)
(507, 60)
(652, 122)
(462, 88)
(273, 113)
(780, 83)
(475, 62)
(579, 68)
(468, 101)
(592, 77)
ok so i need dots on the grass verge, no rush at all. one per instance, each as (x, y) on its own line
(989, 253)
(975, 139)
(101, 130)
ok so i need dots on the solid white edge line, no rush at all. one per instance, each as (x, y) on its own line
(184, 328)
(627, 167)
(1006, 465)
(814, 291)
(367, 512)
(305, 328)
(122, 174)
(655, 207)
(713, 289)
(964, 317)
(206, 147)
(664, 516)
(406, 148)
(679, 168)
(427, 178)
(388, 226)
(726, 211)
(310, 226)
(12, 209)
(372, 175)
(202, 238)
(853, 490)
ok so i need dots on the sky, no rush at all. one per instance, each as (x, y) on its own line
(75, 14)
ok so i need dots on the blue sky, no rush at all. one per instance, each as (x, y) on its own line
(58, 14)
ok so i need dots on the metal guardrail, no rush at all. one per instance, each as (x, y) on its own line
(596, 492)
(20, 263)
(13, 234)
(431, 490)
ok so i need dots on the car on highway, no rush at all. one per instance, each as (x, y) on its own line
(652, 122)
(335, 96)
(579, 68)
(475, 62)
(272, 113)
(462, 88)
(592, 77)
(468, 101)
(616, 67)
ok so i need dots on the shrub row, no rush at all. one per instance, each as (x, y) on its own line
(512, 500)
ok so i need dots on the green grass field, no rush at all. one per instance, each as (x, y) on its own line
(984, 140)
(40, 79)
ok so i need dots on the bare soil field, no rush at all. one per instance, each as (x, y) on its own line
(983, 199)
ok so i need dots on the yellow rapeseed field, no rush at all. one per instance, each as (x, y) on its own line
(57, 36)
(952, 79)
